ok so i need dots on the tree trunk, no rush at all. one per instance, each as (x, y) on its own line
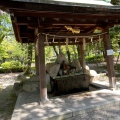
(68, 54)
(74, 52)
(29, 60)
(55, 50)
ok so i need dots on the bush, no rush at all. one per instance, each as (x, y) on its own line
(92, 58)
(13, 66)
(33, 61)
(117, 66)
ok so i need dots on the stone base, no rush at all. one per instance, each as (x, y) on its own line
(101, 104)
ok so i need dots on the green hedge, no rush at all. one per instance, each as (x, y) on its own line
(93, 58)
(12, 66)
(2, 70)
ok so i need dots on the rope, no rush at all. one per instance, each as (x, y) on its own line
(77, 36)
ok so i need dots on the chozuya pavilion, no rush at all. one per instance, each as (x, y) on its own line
(37, 19)
(52, 21)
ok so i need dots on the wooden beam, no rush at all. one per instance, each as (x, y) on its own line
(27, 35)
(109, 60)
(67, 15)
(47, 22)
(17, 32)
(92, 29)
(16, 29)
(42, 72)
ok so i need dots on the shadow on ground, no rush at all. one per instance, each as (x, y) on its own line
(7, 103)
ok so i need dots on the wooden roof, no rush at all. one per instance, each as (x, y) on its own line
(50, 17)
(69, 2)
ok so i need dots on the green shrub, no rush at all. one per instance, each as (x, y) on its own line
(33, 61)
(117, 66)
(93, 58)
(116, 54)
(11, 65)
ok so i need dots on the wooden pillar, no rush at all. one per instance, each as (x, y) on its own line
(42, 72)
(109, 60)
(36, 58)
(82, 57)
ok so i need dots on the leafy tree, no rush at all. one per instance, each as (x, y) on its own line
(115, 2)
(29, 59)
(15, 50)
(5, 26)
(115, 31)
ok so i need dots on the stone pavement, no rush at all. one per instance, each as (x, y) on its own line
(102, 104)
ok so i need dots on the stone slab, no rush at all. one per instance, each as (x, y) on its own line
(66, 107)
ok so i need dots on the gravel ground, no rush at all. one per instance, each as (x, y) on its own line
(7, 102)
(110, 113)
(7, 99)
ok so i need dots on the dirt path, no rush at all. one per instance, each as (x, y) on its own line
(7, 99)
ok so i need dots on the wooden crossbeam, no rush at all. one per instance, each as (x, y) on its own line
(67, 15)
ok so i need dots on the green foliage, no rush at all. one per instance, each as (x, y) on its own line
(116, 54)
(49, 53)
(117, 66)
(115, 2)
(33, 61)
(115, 37)
(11, 65)
(15, 51)
(94, 58)
(5, 26)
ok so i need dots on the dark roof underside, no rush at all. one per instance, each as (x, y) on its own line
(69, 2)
(31, 18)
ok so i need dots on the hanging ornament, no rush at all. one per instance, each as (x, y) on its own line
(47, 43)
(84, 43)
(99, 41)
(53, 39)
(67, 40)
(36, 47)
(75, 39)
(91, 39)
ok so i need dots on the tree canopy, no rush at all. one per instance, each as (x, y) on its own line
(5, 26)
